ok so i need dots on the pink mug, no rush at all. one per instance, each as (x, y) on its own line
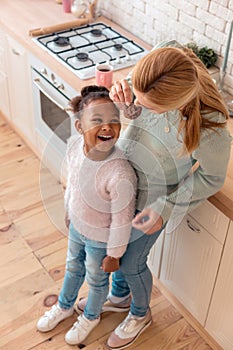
(104, 75)
(66, 5)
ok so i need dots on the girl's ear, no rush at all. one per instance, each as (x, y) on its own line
(78, 126)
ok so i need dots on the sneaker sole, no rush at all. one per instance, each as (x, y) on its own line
(133, 340)
(105, 309)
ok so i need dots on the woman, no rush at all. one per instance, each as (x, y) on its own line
(179, 147)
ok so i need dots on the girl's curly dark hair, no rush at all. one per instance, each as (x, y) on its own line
(88, 94)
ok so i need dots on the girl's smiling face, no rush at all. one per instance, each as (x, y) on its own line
(100, 125)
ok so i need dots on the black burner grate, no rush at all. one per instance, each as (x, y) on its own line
(83, 47)
(61, 41)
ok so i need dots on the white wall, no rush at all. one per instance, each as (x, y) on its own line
(206, 22)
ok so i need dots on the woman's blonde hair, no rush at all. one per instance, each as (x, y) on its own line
(174, 78)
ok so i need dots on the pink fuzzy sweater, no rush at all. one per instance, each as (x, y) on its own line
(100, 196)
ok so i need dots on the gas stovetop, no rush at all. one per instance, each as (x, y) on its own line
(81, 48)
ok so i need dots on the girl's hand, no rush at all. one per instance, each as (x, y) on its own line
(110, 264)
(148, 221)
(67, 220)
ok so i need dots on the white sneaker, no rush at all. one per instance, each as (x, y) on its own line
(80, 330)
(52, 317)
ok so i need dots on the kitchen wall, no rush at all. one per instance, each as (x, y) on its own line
(206, 22)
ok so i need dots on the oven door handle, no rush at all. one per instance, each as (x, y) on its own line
(36, 83)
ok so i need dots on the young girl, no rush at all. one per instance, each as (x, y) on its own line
(100, 204)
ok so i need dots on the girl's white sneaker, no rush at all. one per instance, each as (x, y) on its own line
(80, 330)
(51, 318)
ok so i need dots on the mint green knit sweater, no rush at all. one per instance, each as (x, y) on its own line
(166, 181)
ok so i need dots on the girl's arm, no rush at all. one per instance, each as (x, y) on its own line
(122, 192)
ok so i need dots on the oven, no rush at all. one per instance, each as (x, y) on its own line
(53, 118)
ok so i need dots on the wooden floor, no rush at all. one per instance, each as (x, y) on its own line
(32, 256)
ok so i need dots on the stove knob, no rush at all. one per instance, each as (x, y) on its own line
(60, 86)
(118, 60)
(127, 57)
(44, 71)
(53, 78)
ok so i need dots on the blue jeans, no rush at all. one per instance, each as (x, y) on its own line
(84, 258)
(134, 275)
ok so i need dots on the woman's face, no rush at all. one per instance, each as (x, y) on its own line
(142, 101)
(100, 126)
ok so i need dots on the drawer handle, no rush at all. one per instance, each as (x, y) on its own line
(192, 227)
(15, 52)
(37, 82)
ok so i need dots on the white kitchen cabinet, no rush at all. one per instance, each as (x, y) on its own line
(4, 93)
(220, 318)
(20, 89)
(191, 257)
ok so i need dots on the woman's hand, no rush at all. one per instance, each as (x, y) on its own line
(122, 95)
(148, 221)
(121, 92)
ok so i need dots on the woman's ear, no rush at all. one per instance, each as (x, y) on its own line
(78, 126)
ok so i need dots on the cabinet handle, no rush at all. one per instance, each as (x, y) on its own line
(192, 227)
(15, 52)
(36, 82)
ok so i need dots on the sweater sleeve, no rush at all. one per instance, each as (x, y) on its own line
(122, 190)
(71, 144)
(212, 157)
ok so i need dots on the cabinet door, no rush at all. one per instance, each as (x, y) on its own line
(20, 89)
(220, 318)
(189, 266)
(3, 52)
(4, 99)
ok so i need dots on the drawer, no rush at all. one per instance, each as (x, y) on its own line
(212, 219)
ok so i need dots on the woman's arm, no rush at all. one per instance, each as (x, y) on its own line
(212, 156)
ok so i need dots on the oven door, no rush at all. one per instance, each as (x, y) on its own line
(53, 118)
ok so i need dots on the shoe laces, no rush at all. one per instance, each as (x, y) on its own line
(53, 312)
(128, 325)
